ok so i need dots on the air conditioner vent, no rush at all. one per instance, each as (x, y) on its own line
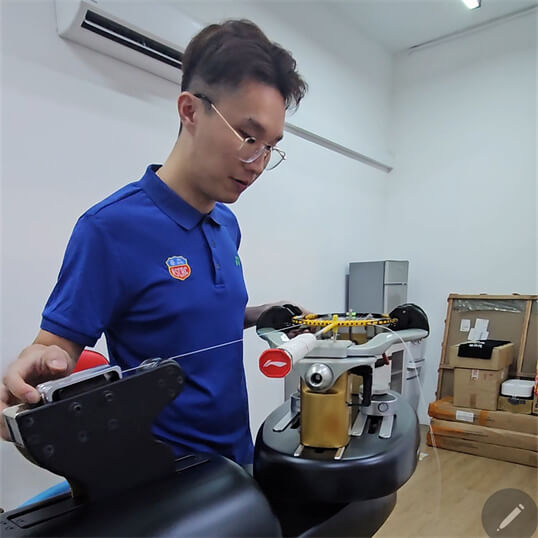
(130, 38)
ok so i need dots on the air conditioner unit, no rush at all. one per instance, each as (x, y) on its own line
(148, 35)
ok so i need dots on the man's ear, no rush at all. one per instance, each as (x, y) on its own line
(188, 108)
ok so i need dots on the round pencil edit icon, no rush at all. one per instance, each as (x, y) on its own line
(510, 512)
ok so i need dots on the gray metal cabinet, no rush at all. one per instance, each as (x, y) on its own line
(378, 286)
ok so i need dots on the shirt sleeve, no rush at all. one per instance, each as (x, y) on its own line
(89, 292)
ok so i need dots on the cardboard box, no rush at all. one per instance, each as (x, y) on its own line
(497, 452)
(478, 388)
(515, 405)
(483, 434)
(501, 357)
(446, 410)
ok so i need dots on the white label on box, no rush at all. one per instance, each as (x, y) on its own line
(465, 416)
(465, 325)
(481, 324)
(474, 334)
(475, 374)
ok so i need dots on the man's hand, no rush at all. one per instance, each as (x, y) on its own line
(252, 313)
(303, 310)
(36, 364)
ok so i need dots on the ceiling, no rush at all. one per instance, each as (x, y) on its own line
(395, 25)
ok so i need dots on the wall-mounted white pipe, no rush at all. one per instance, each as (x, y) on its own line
(338, 148)
(469, 30)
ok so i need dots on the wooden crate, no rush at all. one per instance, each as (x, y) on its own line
(511, 317)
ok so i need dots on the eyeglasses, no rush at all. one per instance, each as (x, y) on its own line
(251, 148)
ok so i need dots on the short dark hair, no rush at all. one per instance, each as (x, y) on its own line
(229, 53)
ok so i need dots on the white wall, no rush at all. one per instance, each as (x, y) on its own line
(535, 150)
(462, 200)
(77, 125)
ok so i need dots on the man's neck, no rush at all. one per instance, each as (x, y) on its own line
(176, 174)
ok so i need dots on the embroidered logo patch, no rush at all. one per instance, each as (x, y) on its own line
(178, 267)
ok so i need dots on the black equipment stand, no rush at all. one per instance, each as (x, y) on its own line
(317, 495)
(125, 482)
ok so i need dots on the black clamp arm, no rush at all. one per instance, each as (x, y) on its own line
(100, 439)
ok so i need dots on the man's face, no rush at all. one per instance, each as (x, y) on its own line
(253, 110)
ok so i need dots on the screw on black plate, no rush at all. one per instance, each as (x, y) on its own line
(113, 424)
(82, 436)
(161, 382)
(28, 422)
(109, 396)
(48, 450)
(76, 408)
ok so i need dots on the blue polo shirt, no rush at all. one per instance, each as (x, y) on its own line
(161, 279)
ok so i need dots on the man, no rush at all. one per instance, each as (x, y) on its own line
(155, 266)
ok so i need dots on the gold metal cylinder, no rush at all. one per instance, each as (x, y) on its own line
(325, 416)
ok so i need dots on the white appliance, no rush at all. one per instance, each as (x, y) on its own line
(517, 388)
(150, 36)
(407, 370)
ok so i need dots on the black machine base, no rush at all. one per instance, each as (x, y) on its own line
(126, 483)
(359, 518)
(348, 496)
(207, 496)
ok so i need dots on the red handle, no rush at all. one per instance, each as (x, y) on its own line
(89, 359)
(275, 363)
